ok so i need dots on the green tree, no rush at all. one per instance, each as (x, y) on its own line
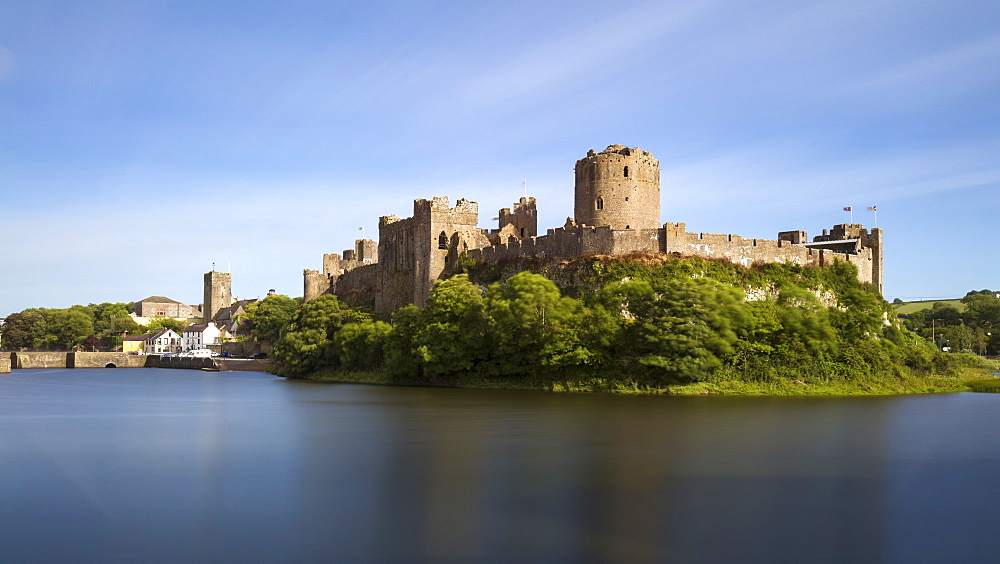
(402, 358)
(20, 330)
(452, 338)
(68, 327)
(679, 329)
(805, 322)
(982, 311)
(176, 325)
(306, 345)
(267, 317)
(535, 329)
(360, 346)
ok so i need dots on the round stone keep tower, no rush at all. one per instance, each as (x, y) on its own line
(619, 187)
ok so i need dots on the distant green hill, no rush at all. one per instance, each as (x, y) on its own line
(906, 308)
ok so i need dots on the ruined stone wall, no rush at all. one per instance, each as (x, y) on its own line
(397, 267)
(446, 226)
(5, 363)
(748, 251)
(331, 263)
(523, 218)
(366, 251)
(619, 187)
(572, 241)
(415, 252)
(356, 278)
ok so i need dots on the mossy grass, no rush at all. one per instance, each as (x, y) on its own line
(968, 378)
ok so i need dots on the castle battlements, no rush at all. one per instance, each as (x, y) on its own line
(617, 205)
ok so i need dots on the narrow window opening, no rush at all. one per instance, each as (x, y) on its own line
(626, 198)
(522, 232)
(626, 172)
(442, 241)
(600, 203)
(628, 227)
(592, 172)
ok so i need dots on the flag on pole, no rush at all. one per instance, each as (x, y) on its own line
(873, 208)
(848, 208)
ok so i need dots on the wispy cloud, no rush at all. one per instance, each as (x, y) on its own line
(590, 51)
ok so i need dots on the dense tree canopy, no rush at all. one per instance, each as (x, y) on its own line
(86, 326)
(671, 322)
(269, 316)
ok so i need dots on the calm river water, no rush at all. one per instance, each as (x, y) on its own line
(176, 465)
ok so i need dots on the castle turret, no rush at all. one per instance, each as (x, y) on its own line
(618, 187)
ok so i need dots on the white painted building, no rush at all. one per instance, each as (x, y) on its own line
(163, 341)
(200, 336)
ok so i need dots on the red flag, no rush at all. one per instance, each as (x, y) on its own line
(848, 208)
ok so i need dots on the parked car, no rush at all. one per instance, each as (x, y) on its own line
(198, 353)
(259, 355)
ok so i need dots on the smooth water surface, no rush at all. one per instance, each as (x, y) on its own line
(177, 465)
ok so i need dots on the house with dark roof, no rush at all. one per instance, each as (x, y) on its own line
(163, 341)
(229, 320)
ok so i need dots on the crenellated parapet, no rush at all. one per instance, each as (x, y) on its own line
(617, 212)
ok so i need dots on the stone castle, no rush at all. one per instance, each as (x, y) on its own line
(617, 212)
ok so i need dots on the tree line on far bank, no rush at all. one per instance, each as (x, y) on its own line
(102, 326)
(974, 328)
(77, 327)
(672, 322)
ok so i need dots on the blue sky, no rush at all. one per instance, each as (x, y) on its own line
(142, 141)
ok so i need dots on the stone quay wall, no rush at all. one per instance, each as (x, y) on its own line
(21, 360)
(105, 360)
(4, 364)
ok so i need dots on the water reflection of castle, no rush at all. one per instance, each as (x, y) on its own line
(617, 211)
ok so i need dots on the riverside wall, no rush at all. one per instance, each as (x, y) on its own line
(29, 360)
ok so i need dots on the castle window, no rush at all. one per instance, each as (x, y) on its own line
(626, 172)
(628, 227)
(593, 172)
(442, 241)
(522, 232)
(600, 203)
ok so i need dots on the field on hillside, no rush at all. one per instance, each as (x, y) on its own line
(911, 307)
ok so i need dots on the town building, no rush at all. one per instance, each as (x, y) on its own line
(164, 341)
(160, 306)
(200, 336)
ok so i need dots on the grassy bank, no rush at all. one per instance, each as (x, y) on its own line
(975, 379)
